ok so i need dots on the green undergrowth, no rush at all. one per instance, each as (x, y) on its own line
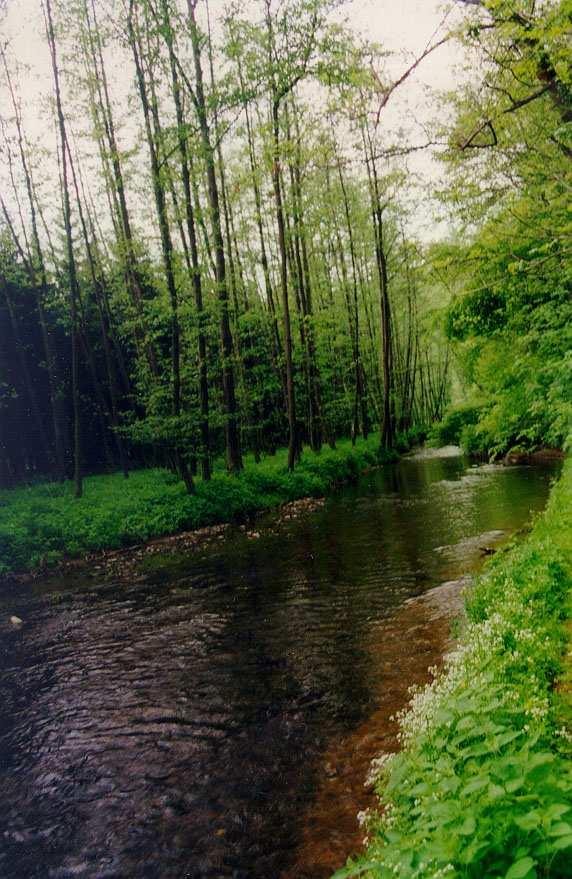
(41, 524)
(483, 784)
(453, 428)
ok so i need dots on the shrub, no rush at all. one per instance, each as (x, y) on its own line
(449, 430)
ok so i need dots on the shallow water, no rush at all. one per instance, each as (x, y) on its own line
(216, 718)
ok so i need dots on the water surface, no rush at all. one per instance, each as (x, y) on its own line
(183, 725)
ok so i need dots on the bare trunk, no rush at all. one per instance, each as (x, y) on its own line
(153, 133)
(233, 450)
(73, 283)
(194, 256)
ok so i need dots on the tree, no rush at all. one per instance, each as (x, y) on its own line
(233, 450)
(71, 265)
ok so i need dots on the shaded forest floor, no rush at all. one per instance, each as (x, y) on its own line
(43, 525)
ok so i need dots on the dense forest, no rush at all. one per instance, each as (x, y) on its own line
(217, 252)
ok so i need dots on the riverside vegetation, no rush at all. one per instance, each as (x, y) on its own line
(39, 525)
(224, 279)
(483, 785)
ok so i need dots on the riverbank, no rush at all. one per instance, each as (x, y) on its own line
(44, 525)
(483, 784)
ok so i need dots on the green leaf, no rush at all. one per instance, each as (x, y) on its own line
(530, 821)
(468, 827)
(354, 870)
(561, 829)
(514, 784)
(421, 789)
(562, 842)
(508, 737)
(475, 785)
(467, 722)
(520, 869)
(557, 810)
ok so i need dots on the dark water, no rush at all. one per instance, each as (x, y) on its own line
(175, 727)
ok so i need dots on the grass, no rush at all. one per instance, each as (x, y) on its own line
(483, 784)
(41, 524)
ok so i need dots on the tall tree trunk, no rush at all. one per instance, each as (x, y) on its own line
(37, 273)
(73, 282)
(153, 133)
(110, 367)
(194, 255)
(111, 155)
(42, 439)
(293, 439)
(387, 424)
(360, 389)
(315, 431)
(233, 450)
(268, 288)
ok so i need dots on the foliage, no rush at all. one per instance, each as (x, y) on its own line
(509, 188)
(451, 429)
(199, 331)
(517, 355)
(41, 524)
(481, 787)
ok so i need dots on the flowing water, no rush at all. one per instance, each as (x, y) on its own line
(216, 717)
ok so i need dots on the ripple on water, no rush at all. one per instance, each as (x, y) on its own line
(184, 725)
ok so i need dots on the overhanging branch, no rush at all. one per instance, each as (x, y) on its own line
(489, 123)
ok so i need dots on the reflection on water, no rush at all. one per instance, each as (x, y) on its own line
(402, 648)
(179, 727)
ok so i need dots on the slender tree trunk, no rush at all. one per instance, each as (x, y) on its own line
(54, 380)
(25, 372)
(36, 265)
(73, 282)
(268, 288)
(194, 256)
(233, 450)
(303, 270)
(103, 114)
(360, 389)
(112, 379)
(387, 424)
(293, 440)
(153, 133)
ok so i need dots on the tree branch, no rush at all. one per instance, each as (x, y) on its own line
(488, 123)
(393, 152)
(387, 92)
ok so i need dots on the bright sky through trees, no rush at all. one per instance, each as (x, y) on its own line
(404, 30)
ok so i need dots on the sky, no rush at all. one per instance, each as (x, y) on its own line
(404, 28)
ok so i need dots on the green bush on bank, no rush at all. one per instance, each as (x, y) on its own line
(449, 431)
(43, 523)
(482, 787)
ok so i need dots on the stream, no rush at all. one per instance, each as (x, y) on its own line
(216, 717)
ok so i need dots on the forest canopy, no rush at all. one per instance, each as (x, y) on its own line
(218, 252)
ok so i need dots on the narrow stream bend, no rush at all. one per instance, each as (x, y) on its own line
(184, 726)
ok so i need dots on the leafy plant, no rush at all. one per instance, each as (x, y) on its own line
(40, 524)
(482, 787)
